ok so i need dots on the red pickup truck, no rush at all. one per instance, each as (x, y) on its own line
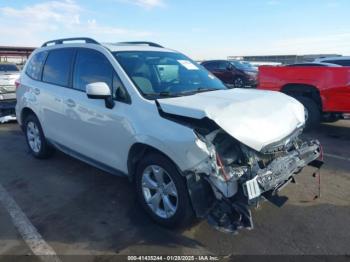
(324, 91)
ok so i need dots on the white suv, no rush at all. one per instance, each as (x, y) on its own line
(137, 109)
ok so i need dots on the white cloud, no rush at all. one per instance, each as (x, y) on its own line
(40, 22)
(147, 4)
(66, 12)
(327, 43)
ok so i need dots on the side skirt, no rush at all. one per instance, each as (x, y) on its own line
(87, 160)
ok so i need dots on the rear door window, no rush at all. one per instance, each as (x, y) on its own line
(211, 65)
(223, 65)
(35, 65)
(58, 66)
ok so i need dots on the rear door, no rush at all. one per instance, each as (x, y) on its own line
(223, 73)
(219, 69)
(56, 80)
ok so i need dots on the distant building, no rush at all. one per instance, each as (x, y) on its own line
(281, 59)
(15, 54)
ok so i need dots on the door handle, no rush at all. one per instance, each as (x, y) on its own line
(36, 91)
(70, 103)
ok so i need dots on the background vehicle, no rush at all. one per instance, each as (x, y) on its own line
(154, 115)
(337, 60)
(324, 91)
(314, 64)
(8, 75)
(233, 73)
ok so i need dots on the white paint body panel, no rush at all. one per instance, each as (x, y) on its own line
(102, 134)
(86, 126)
(255, 118)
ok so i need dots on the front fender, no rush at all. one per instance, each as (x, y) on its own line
(184, 153)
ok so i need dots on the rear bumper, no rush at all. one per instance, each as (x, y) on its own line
(7, 107)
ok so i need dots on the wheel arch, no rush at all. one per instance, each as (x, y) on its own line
(303, 90)
(137, 151)
(26, 111)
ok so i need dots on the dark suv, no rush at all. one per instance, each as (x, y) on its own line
(234, 73)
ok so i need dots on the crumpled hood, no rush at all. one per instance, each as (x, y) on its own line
(254, 117)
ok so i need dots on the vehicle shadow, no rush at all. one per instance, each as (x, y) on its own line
(337, 130)
(73, 204)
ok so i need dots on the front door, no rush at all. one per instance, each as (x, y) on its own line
(95, 131)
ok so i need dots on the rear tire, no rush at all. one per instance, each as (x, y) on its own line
(313, 111)
(180, 216)
(36, 141)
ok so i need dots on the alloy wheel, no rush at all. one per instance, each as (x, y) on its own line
(238, 83)
(159, 191)
(33, 136)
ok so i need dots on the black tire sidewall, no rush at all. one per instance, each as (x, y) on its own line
(184, 212)
(314, 113)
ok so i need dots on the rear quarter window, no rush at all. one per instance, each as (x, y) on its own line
(35, 65)
(58, 66)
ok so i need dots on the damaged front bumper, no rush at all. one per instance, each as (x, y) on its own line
(227, 208)
(281, 170)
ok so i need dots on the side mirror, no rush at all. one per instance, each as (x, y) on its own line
(100, 90)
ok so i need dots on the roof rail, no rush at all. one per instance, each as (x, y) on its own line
(140, 43)
(61, 41)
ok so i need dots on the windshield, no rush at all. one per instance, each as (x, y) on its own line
(243, 65)
(166, 74)
(8, 68)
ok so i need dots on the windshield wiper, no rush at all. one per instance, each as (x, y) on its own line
(165, 94)
(198, 90)
(162, 94)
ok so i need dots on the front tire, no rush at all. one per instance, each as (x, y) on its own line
(36, 141)
(162, 191)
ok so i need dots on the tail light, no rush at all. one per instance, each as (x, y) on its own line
(18, 83)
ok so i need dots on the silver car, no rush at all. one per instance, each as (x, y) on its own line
(9, 73)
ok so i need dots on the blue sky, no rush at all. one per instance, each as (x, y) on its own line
(202, 29)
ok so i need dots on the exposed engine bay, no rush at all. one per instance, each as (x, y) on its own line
(234, 176)
(241, 177)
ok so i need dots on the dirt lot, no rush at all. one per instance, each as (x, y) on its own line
(78, 209)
